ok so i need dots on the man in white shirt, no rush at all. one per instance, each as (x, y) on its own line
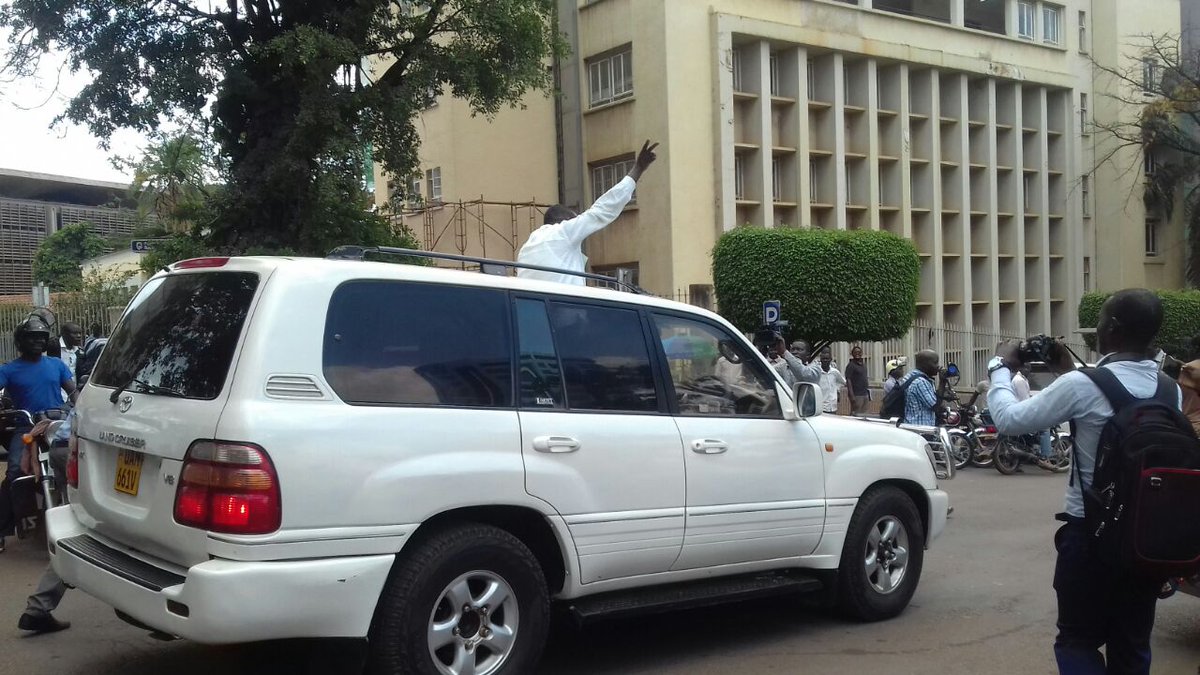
(69, 342)
(1020, 383)
(559, 243)
(1097, 606)
(831, 382)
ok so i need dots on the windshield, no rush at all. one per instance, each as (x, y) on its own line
(179, 335)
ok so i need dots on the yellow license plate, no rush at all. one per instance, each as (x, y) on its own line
(129, 472)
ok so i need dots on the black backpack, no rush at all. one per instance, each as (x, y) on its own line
(1143, 504)
(893, 404)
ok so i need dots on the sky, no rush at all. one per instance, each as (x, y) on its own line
(28, 143)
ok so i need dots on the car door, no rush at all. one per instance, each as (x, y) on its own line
(598, 442)
(755, 482)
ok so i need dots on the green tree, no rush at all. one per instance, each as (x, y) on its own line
(56, 261)
(1180, 332)
(172, 179)
(294, 91)
(834, 285)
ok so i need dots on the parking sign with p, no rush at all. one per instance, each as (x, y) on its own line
(772, 310)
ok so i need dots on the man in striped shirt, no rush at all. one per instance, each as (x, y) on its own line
(920, 400)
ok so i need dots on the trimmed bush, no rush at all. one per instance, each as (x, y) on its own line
(834, 285)
(1181, 321)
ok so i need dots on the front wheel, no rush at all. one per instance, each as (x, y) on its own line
(470, 600)
(960, 450)
(1005, 456)
(882, 556)
(982, 457)
(1060, 453)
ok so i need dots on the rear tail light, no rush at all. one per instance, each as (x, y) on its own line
(73, 460)
(198, 263)
(990, 430)
(228, 487)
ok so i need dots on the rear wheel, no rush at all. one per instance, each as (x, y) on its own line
(1005, 456)
(982, 457)
(882, 556)
(1060, 453)
(470, 600)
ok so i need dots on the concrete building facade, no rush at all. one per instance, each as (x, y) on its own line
(967, 126)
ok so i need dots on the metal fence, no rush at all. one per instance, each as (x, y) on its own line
(90, 314)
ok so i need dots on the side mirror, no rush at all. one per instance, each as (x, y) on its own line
(806, 395)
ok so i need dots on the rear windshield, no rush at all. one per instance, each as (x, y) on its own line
(178, 335)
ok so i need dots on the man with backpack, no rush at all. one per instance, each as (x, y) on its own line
(914, 400)
(1128, 522)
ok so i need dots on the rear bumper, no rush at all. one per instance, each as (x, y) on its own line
(939, 512)
(223, 601)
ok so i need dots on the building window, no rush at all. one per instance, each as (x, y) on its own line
(610, 78)
(433, 181)
(1085, 194)
(1051, 24)
(774, 75)
(739, 178)
(1151, 237)
(984, 15)
(1083, 113)
(1026, 18)
(812, 79)
(607, 174)
(776, 180)
(1149, 162)
(813, 185)
(934, 10)
(1087, 274)
(1149, 75)
(735, 64)
(1083, 45)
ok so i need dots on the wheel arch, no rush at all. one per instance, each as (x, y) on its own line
(918, 496)
(523, 522)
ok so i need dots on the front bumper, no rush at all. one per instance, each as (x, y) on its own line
(939, 512)
(221, 601)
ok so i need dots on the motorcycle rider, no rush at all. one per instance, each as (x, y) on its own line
(1020, 382)
(33, 381)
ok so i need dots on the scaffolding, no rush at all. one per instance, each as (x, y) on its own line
(480, 227)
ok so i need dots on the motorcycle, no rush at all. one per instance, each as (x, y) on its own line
(1013, 451)
(21, 496)
(966, 446)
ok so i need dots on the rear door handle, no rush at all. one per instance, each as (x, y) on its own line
(709, 446)
(555, 444)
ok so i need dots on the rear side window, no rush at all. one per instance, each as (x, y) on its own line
(179, 335)
(397, 343)
(605, 361)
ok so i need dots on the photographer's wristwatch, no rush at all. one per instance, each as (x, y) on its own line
(995, 364)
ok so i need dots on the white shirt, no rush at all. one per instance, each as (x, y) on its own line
(69, 355)
(1070, 397)
(560, 244)
(831, 382)
(1021, 387)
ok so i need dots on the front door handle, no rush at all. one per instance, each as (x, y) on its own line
(555, 444)
(709, 446)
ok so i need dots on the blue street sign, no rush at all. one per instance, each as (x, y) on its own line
(141, 245)
(772, 309)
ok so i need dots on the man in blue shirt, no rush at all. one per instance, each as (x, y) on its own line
(920, 400)
(34, 382)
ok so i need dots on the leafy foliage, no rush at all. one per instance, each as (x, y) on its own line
(283, 88)
(171, 180)
(1180, 332)
(834, 285)
(56, 261)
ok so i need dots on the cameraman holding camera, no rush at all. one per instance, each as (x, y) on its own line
(1098, 605)
(770, 342)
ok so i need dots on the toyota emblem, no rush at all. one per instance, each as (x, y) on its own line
(126, 403)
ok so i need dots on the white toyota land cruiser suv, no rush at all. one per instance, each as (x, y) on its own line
(425, 458)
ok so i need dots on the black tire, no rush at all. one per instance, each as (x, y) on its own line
(983, 455)
(399, 642)
(1005, 459)
(857, 598)
(960, 451)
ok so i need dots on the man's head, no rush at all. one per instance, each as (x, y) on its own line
(856, 353)
(826, 358)
(801, 350)
(31, 337)
(895, 368)
(557, 214)
(72, 334)
(927, 362)
(1129, 321)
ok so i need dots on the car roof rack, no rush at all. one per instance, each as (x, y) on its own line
(486, 265)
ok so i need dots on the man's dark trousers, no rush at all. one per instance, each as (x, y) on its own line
(1097, 607)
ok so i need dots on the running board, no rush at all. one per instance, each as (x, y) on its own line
(691, 594)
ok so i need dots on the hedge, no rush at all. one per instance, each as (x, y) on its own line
(834, 285)
(1181, 321)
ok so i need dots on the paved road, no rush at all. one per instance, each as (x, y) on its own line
(984, 606)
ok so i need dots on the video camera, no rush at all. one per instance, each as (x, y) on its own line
(1038, 348)
(768, 335)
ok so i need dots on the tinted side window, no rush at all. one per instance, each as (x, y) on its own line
(606, 365)
(541, 384)
(396, 343)
(714, 374)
